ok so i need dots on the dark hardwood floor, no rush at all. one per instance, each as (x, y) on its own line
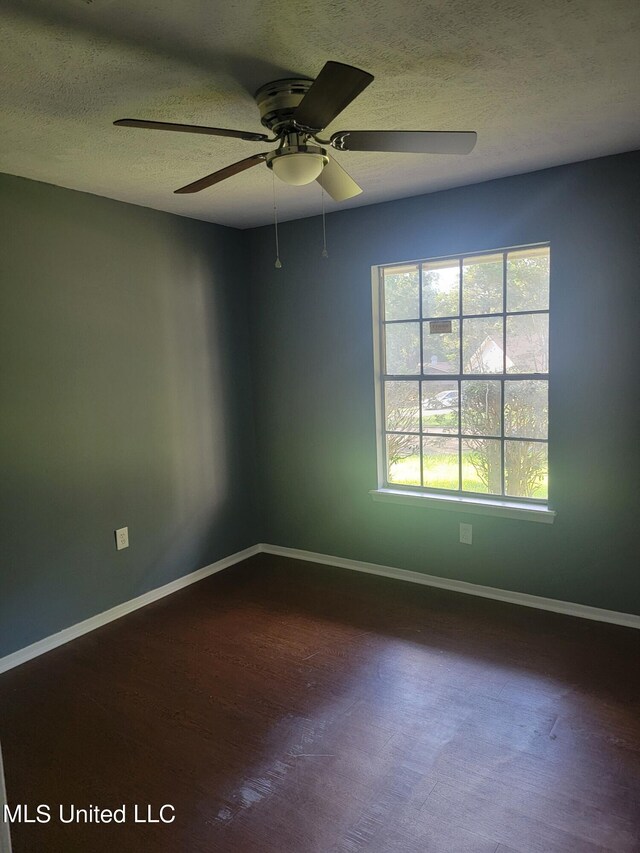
(286, 707)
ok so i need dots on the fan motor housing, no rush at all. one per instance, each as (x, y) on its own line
(277, 101)
(299, 146)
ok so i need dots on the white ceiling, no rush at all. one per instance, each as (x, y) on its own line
(543, 82)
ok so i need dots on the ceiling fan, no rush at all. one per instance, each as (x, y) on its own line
(296, 111)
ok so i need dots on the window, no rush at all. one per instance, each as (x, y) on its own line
(463, 375)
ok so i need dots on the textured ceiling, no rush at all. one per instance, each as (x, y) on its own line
(543, 82)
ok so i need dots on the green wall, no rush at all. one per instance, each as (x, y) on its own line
(314, 394)
(125, 396)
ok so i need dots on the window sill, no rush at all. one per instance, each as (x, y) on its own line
(477, 506)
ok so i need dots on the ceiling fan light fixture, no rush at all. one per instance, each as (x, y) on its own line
(296, 110)
(298, 168)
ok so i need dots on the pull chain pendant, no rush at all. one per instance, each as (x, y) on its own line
(278, 263)
(325, 253)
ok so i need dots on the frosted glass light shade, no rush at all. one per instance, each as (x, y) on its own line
(298, 168)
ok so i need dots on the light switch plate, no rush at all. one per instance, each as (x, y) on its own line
(466, 533)
(122, 538)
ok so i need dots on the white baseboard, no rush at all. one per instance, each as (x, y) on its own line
(5, 840)
(629, 620)
(64, 636)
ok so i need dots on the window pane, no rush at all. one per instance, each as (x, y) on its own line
(526, 469)
(482, 285)
(402, 348)
(477, 328)
(441, 350)
(403, 459)
(482, 345)
(441, 289)
(528, 343)
(481, 407)
(402, 407)
(526, 409)
(401, 286)
(440, 467)
(440, 407)
(528, 280)
(481, 466)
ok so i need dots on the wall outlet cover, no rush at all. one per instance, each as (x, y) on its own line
(122, 538)
(466, 533)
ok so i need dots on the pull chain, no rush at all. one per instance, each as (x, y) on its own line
(325, 254)
(278, 263)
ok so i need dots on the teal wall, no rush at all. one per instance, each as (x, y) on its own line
(131, 380)
(125, 396)
(314, 394)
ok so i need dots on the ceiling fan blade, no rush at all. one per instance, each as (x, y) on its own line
(222, 174)
(406, 141)
(191, 128)
(333, 89)
(337, 183)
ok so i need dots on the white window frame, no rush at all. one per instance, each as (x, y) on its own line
(523, 509)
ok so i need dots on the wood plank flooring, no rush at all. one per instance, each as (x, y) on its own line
(287, 707)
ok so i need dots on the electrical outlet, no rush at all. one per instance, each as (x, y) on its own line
(122, 538)
(466, 533)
